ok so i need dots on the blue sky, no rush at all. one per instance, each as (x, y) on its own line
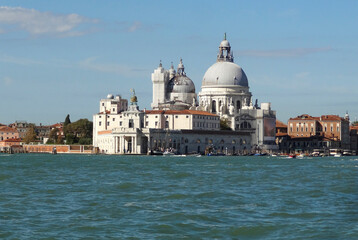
(62, 57)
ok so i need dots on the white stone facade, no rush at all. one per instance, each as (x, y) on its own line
(172, 90)
(180, 121)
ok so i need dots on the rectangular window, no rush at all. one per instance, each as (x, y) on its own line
(114, 119)
(156, 123)
(130, 123)
(120, 123)
(99, 123)
(337, 129)
(146, 124)
(107, 123)
(114, 109)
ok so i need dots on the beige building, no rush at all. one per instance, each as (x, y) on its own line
(8, 133)
(183, 131)
(177, 112)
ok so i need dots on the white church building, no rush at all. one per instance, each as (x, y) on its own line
(184, 122)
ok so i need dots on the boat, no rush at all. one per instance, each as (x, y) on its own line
(347, 153)
(168, 153)
(292, 156)
(335, 152)
(156, 153)
(260, 154)
(301, 156)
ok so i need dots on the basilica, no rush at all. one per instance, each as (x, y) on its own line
(222, 116)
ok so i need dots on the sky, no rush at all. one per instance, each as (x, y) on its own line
(62, 57)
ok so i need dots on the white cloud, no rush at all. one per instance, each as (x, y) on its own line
(7, 81)
(302, 75)
(135, 26)
(42, 23)
(295, 52)
(120, 69)
(17, 60)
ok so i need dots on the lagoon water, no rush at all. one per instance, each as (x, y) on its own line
(155, 197)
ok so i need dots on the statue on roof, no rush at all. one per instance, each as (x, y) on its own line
(133, 97)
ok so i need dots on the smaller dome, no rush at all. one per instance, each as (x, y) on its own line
(181, 84)
(110, 96)
(224, 44)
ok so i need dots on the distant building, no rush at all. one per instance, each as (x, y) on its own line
(8, 133)
(306, 133)
(139, 132)
(42, 132)
(180, 120)
(354, 138)
(22, 127)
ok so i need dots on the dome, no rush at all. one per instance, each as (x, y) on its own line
(225, 73)
(110, 96)
(181, 84)
(225, 44)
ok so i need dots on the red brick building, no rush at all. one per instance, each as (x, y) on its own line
(332, 129)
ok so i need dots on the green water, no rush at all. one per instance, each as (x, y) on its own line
(155, 197)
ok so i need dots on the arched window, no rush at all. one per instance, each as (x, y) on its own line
(213, 106)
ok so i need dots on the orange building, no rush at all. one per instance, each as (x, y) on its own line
(281, 128)
(333, 129)
(8, 133)
(10, 142)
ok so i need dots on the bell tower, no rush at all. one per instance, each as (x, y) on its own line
(160, 78)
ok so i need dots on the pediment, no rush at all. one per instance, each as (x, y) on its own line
(244, 117)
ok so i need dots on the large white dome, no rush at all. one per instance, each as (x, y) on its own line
(225, 74)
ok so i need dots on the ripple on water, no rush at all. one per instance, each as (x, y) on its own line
(121, 197)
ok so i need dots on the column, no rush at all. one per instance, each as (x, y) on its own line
(135, 144)
(115, 144)
(119, 144)
(132, 144)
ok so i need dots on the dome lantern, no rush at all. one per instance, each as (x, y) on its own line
(225, 54)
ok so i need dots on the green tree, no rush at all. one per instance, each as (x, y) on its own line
(52, 138)
(67, 120)
(224, 124)
(59, 139)
(30, 135)
(81, 129)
